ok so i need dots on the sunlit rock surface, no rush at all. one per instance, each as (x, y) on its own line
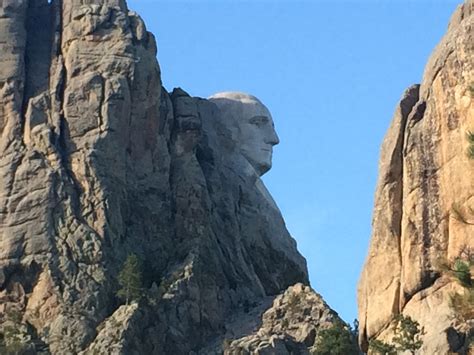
(425, 177)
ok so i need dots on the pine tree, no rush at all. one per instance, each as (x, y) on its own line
(381, 348)
(408, 337)
(130, 280)
(408, 334)
(337, 340)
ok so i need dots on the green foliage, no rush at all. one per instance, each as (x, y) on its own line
(407, 338)
(471, 89)
(460, 268)
(355, 333)
(462, 272)
(462, 302)
(12, 341)
(470, 138)
(337, 340)
(130, 280)
(408, 334)
(463, 305)
(379, 347)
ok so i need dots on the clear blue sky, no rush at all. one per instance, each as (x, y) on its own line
(331, 73)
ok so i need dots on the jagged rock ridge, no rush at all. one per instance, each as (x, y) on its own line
(425, 175)
(98, 161)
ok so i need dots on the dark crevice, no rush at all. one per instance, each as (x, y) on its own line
(458, 341)
(419, 112)
(38, 54)
(101, 104)
(430, 193)
(63, 132)
(441, 66)
(406, 106)
(426, 282)
(40, 347)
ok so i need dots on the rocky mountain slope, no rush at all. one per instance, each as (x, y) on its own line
(424, 200)
(98, 161)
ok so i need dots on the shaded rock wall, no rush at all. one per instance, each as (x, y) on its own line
(98, 161)
(424, 175)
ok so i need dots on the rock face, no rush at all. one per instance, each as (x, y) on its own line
(98, 161)
(425, 180)
(252, 127)
(290, 326)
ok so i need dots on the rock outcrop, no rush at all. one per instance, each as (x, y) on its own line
(290, 326)
(98, 161)
(425, 181)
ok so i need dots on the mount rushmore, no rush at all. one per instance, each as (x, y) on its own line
(99, 162)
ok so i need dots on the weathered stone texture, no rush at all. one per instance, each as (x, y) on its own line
(98, 161)
(425, 176)
(290, 326)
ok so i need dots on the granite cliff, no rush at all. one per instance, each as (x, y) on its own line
(424, 200)
(97, 162)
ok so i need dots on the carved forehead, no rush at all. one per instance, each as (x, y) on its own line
(235, 96)
(240, 105)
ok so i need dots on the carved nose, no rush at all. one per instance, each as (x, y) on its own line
(273, 138)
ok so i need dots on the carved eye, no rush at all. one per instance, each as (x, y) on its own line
(259, 120)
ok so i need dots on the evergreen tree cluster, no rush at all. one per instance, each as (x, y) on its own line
(340, 339)
(408, 337)
(130, 280)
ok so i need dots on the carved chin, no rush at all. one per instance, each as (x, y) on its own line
(263, 168)
(261, 164)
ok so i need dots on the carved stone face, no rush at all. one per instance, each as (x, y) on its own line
(251, 125)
